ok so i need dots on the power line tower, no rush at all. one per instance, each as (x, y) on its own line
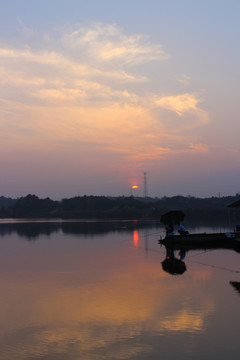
(145, 194)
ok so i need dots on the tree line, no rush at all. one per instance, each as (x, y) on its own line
(83, 207)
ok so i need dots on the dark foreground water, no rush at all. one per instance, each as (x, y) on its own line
(93, 291)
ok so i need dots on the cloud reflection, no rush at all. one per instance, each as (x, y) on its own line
(59, 313)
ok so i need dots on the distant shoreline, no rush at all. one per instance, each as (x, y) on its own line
(92, 208)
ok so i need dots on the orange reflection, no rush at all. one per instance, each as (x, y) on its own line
(135, 238)
(70, 310)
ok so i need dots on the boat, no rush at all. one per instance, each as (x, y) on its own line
(203, 240)
(203, 237)
(196, 239)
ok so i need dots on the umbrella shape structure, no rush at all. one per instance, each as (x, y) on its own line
(172, 217)
(235, 204)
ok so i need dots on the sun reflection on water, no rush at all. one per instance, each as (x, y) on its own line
(72, 299)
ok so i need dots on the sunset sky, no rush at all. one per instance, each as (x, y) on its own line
(95, 93)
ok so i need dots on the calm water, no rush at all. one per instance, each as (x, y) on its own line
(93, 291)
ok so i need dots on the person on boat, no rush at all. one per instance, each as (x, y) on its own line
(169, 230)
(182, 230)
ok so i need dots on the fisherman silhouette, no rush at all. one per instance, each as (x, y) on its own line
(182, 230)
(173, 265)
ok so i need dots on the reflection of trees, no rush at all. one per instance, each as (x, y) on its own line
(32, 230)
(89, 228)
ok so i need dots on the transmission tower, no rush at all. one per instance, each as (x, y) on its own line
(145, 194)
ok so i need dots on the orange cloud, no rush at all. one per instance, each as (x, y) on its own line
(180, 103)
(184, 104)
(52, 96)
(199, 148)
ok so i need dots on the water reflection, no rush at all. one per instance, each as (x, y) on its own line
(33, 229)
(236, 285)
(104, 299)
(172, 264)
(135, 238)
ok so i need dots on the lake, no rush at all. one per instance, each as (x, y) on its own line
(97, 290)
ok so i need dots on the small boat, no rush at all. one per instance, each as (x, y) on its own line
(228, 240)
(171, 218)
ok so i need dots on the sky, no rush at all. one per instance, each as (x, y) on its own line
(93, 94)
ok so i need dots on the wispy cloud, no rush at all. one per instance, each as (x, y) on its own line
(82, 89)
(107, 42)
(25, 30)
(200, 148)
(184, 79)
